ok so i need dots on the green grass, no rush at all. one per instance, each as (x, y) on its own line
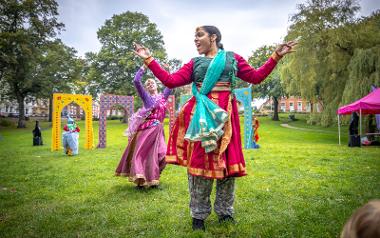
(300, 184)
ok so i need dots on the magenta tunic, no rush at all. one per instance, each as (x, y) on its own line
(227, 160)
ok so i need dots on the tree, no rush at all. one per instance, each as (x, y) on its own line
(272, 86)
(173, 65)
(59, 70)
(25, 26)
(364, 65)
(91, 74)
(318, 69)
(116, 64)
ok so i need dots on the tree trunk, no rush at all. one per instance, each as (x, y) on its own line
(50, 107)
(275, 109)
(21, 112)
(311, 106)
(125, 117)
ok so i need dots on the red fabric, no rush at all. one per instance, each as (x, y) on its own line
(65, 128)
(183, 75)
(180, 151)
(256, 125)
(177, 79)
(252, 75)
(195, 158)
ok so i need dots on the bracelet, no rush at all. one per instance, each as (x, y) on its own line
(276, 56)
(148, 60)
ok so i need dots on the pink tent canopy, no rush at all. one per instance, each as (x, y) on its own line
(369, 104)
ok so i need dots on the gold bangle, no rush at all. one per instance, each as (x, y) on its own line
(148, 60)
(276, 56)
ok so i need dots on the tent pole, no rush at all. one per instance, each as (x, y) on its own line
(360, 119)
(339, 127)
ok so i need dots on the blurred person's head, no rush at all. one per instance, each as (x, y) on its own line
(364, 223)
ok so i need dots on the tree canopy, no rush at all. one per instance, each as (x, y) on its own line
(115, 65)
(272, 86)
(335, 51)
(25, 27)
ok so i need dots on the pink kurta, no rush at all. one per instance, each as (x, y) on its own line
(144, 158)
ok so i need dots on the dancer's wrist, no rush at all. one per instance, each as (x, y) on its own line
(276, 56)
(148, 60)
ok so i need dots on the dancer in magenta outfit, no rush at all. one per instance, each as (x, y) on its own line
(206, 135)
(144, 158)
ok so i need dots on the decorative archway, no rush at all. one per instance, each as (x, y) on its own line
(171, 109)
(61, 100)
(244, 95)
(106, 102)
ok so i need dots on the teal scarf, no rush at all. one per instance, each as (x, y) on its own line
(208, 120)
(72, 126)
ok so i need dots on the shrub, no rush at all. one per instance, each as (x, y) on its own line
(5, 123)
(314, 119)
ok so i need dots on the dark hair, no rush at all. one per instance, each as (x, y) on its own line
(211, 30)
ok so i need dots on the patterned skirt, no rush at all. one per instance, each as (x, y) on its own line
(144, 158)
(226, 161)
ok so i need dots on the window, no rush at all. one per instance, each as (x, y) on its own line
(291, 107)
(308, 107)
(299, 107)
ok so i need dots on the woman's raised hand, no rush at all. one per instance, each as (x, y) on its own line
(141, 51)
(286, 48)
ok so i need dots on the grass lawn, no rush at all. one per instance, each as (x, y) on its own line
(300, 184)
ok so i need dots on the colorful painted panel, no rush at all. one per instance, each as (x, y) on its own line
(244, 96)
(61, 100)
(106, 102)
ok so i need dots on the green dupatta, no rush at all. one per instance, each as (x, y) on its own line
(208, 120)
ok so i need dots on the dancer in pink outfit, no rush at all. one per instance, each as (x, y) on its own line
(144, 158)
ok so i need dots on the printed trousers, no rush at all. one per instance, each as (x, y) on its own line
(200, 190)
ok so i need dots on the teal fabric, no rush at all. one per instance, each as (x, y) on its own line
(208, 119)
(232, 74)
(71, 123)
(201, 65)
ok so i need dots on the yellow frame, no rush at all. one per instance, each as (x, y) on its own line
(61, 100)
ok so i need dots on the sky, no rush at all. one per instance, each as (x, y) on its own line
(245, 24)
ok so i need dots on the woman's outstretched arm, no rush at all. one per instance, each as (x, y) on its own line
(144, 95)
(177, 79)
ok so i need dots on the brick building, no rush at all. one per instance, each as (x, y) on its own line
(291, 104)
